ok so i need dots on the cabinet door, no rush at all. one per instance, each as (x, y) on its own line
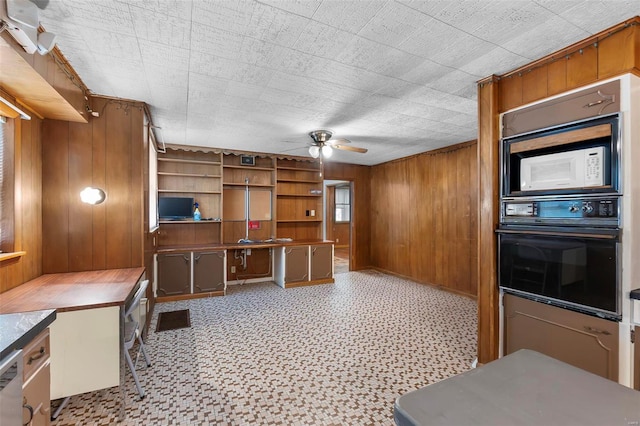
(321, 262)
(636, 359)
(36, 395)
(174, 274)
(581, 340)
(208, 271)
(296, 264)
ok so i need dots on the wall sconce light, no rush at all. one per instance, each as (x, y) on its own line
(92, 196)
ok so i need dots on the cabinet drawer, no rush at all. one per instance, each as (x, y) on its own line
(35, 354)
(36, 393)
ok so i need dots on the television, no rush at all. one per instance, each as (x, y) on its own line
(175, 208)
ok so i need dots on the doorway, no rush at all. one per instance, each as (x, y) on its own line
(338, 213)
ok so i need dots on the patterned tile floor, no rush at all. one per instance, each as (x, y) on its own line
(332, 354)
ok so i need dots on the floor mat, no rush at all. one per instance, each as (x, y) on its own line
(173, 320)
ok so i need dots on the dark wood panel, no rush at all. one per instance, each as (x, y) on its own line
(258, 264)
(55, 197)
(118, 164)
(137, 165)
(534, 84)
(422, 216)
(619, 52)
(557, 76)
(582, 67)
(80, 214)
(99, 173)
(510, 92)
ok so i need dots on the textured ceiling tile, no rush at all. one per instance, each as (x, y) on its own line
(393, 24)
(274, 25)
(107, 15)
(203, 89)
(430, 8)
(226, 68)
(378, 58)
(425, 72)
(161, 28)
(261, 53)
(175, 8)
(322, 40)
(507, 19)
(349, 16)
(314, 87)
(493, 61)
(243, 90)
(229, 15)
(593, 16)
(433, 38)
(545, 38)
(464, 50)
(214, 41)
(111, 44)
(304, 8)
(163, 54)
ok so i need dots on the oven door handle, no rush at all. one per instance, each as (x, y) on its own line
(558, 234)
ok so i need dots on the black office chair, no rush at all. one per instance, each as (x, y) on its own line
(133, 332)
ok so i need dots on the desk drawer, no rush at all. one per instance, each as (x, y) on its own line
(36, 354)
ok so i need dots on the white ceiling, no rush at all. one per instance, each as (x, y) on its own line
(396, 77)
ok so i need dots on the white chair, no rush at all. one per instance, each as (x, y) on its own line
(133, 332)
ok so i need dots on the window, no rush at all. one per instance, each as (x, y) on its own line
(6, 185)
(343, 204)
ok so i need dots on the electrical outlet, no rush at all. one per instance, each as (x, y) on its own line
(313, 212)
(233, 269)
(248, 252)
(337, 240)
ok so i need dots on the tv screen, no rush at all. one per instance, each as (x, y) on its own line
(175, 207)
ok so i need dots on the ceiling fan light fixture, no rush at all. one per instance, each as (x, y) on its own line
(327, 152)
(314, 151)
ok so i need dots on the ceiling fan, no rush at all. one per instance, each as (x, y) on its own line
(322, 146)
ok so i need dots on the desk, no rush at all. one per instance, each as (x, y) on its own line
(87, 335)
(524, 388)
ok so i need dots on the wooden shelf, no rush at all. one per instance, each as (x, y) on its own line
(298, 220)
(186, 191)
(180, 160)
(250, 184)
(188, 175)
(305, 169)
(299, 181)
(270, 169)
(299, 195)
(189, 221)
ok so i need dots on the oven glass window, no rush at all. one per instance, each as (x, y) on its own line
(579, 271)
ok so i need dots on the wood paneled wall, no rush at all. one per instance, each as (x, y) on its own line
(28, 184)
(612, 52)
(360, 176)
(108, 153)
(424, 217)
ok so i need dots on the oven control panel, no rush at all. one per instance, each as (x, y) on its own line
(604, 211)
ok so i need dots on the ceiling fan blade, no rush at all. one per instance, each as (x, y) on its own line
(350, 148)
(338, 141)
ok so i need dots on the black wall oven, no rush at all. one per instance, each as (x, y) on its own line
(562, 246)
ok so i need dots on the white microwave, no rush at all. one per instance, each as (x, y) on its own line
(583, 168)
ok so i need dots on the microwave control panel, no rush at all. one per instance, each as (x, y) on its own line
(562, 211)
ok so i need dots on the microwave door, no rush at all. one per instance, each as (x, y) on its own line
(553, 171)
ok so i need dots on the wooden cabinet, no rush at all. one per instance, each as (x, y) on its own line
(299, 194)
(36, 386)
(298, 265)
(174, 274)
(208, 271)
(581, 340)
(321, 262)
(179, 273)
(248, 184)
(195, 174)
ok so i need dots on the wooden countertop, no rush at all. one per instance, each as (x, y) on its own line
(72, 291)
(239, 246)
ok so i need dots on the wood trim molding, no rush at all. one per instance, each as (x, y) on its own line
(563, 138)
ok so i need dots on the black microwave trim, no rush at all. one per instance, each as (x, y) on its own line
(509, 167)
